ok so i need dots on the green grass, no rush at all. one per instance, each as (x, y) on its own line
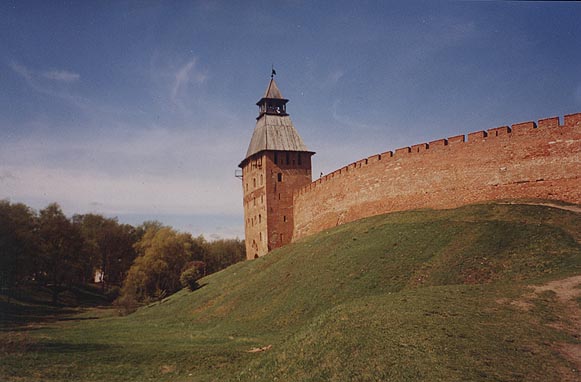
(417, 295)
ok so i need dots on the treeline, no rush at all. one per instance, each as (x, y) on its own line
(142, 263)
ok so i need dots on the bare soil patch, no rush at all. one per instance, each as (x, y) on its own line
(567, 290)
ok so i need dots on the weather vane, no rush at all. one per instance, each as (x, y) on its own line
(273, 73)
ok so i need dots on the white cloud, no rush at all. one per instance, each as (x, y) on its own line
(21, 70)
(61, 75)
(185, 75)
(44, 82)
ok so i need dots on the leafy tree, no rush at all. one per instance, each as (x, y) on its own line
(61, 246)
(18, 244)
(223, 253)
(163, 253)
(109, 245)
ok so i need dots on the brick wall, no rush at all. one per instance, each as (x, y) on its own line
(255, 212)
(269, 180)
(526, 160)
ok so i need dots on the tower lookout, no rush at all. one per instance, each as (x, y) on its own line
(277, 163)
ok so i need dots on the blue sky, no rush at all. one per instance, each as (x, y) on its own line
(143, 109)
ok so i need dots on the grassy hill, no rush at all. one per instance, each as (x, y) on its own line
(419, 295)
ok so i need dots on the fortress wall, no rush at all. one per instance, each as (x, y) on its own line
(526, 160)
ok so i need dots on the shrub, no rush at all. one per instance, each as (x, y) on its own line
(189, 278)
(126, 304)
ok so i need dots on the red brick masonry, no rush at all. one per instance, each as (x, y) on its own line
(526, 160)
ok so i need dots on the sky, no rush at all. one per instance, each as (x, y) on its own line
(142, 110)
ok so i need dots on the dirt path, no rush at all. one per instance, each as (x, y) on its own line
(567, 290)
(548, 204)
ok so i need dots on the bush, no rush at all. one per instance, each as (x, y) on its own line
(189, 278)
(126, 304)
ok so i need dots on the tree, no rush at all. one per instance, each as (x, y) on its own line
(61, 246)
(18, 244)
(163, 253)
(110, 246)
(189, 278)
(223, 253)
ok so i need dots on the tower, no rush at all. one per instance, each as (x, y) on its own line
(277, 163)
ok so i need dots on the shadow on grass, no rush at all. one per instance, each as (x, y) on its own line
(19, 343)
(64, 347)
(14, 315)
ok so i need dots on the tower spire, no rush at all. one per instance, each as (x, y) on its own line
(276, 165)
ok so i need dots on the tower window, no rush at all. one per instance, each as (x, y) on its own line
(279, 176)
(260, 219)
(254, 200)
(284, 218)
(261, 180)
(254, 181)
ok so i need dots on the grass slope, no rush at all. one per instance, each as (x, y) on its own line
(418, 295)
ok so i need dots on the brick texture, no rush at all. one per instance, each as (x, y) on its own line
(521, 161)
(269, 180)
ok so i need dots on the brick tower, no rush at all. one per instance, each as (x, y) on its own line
(276, 164)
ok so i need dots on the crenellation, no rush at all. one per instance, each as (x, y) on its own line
(508, 168)
(573, 120)
(523, 127)
(456, 139)
(548, 122)
(402, 151)
(386, 155)
(361, 162)
(477, 136)
(498, 131)
(438, 143)
(419, 148)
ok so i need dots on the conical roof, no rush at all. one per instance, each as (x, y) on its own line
(274, 132)
(272, 91)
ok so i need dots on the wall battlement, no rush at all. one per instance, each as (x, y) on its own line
(526, 159)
